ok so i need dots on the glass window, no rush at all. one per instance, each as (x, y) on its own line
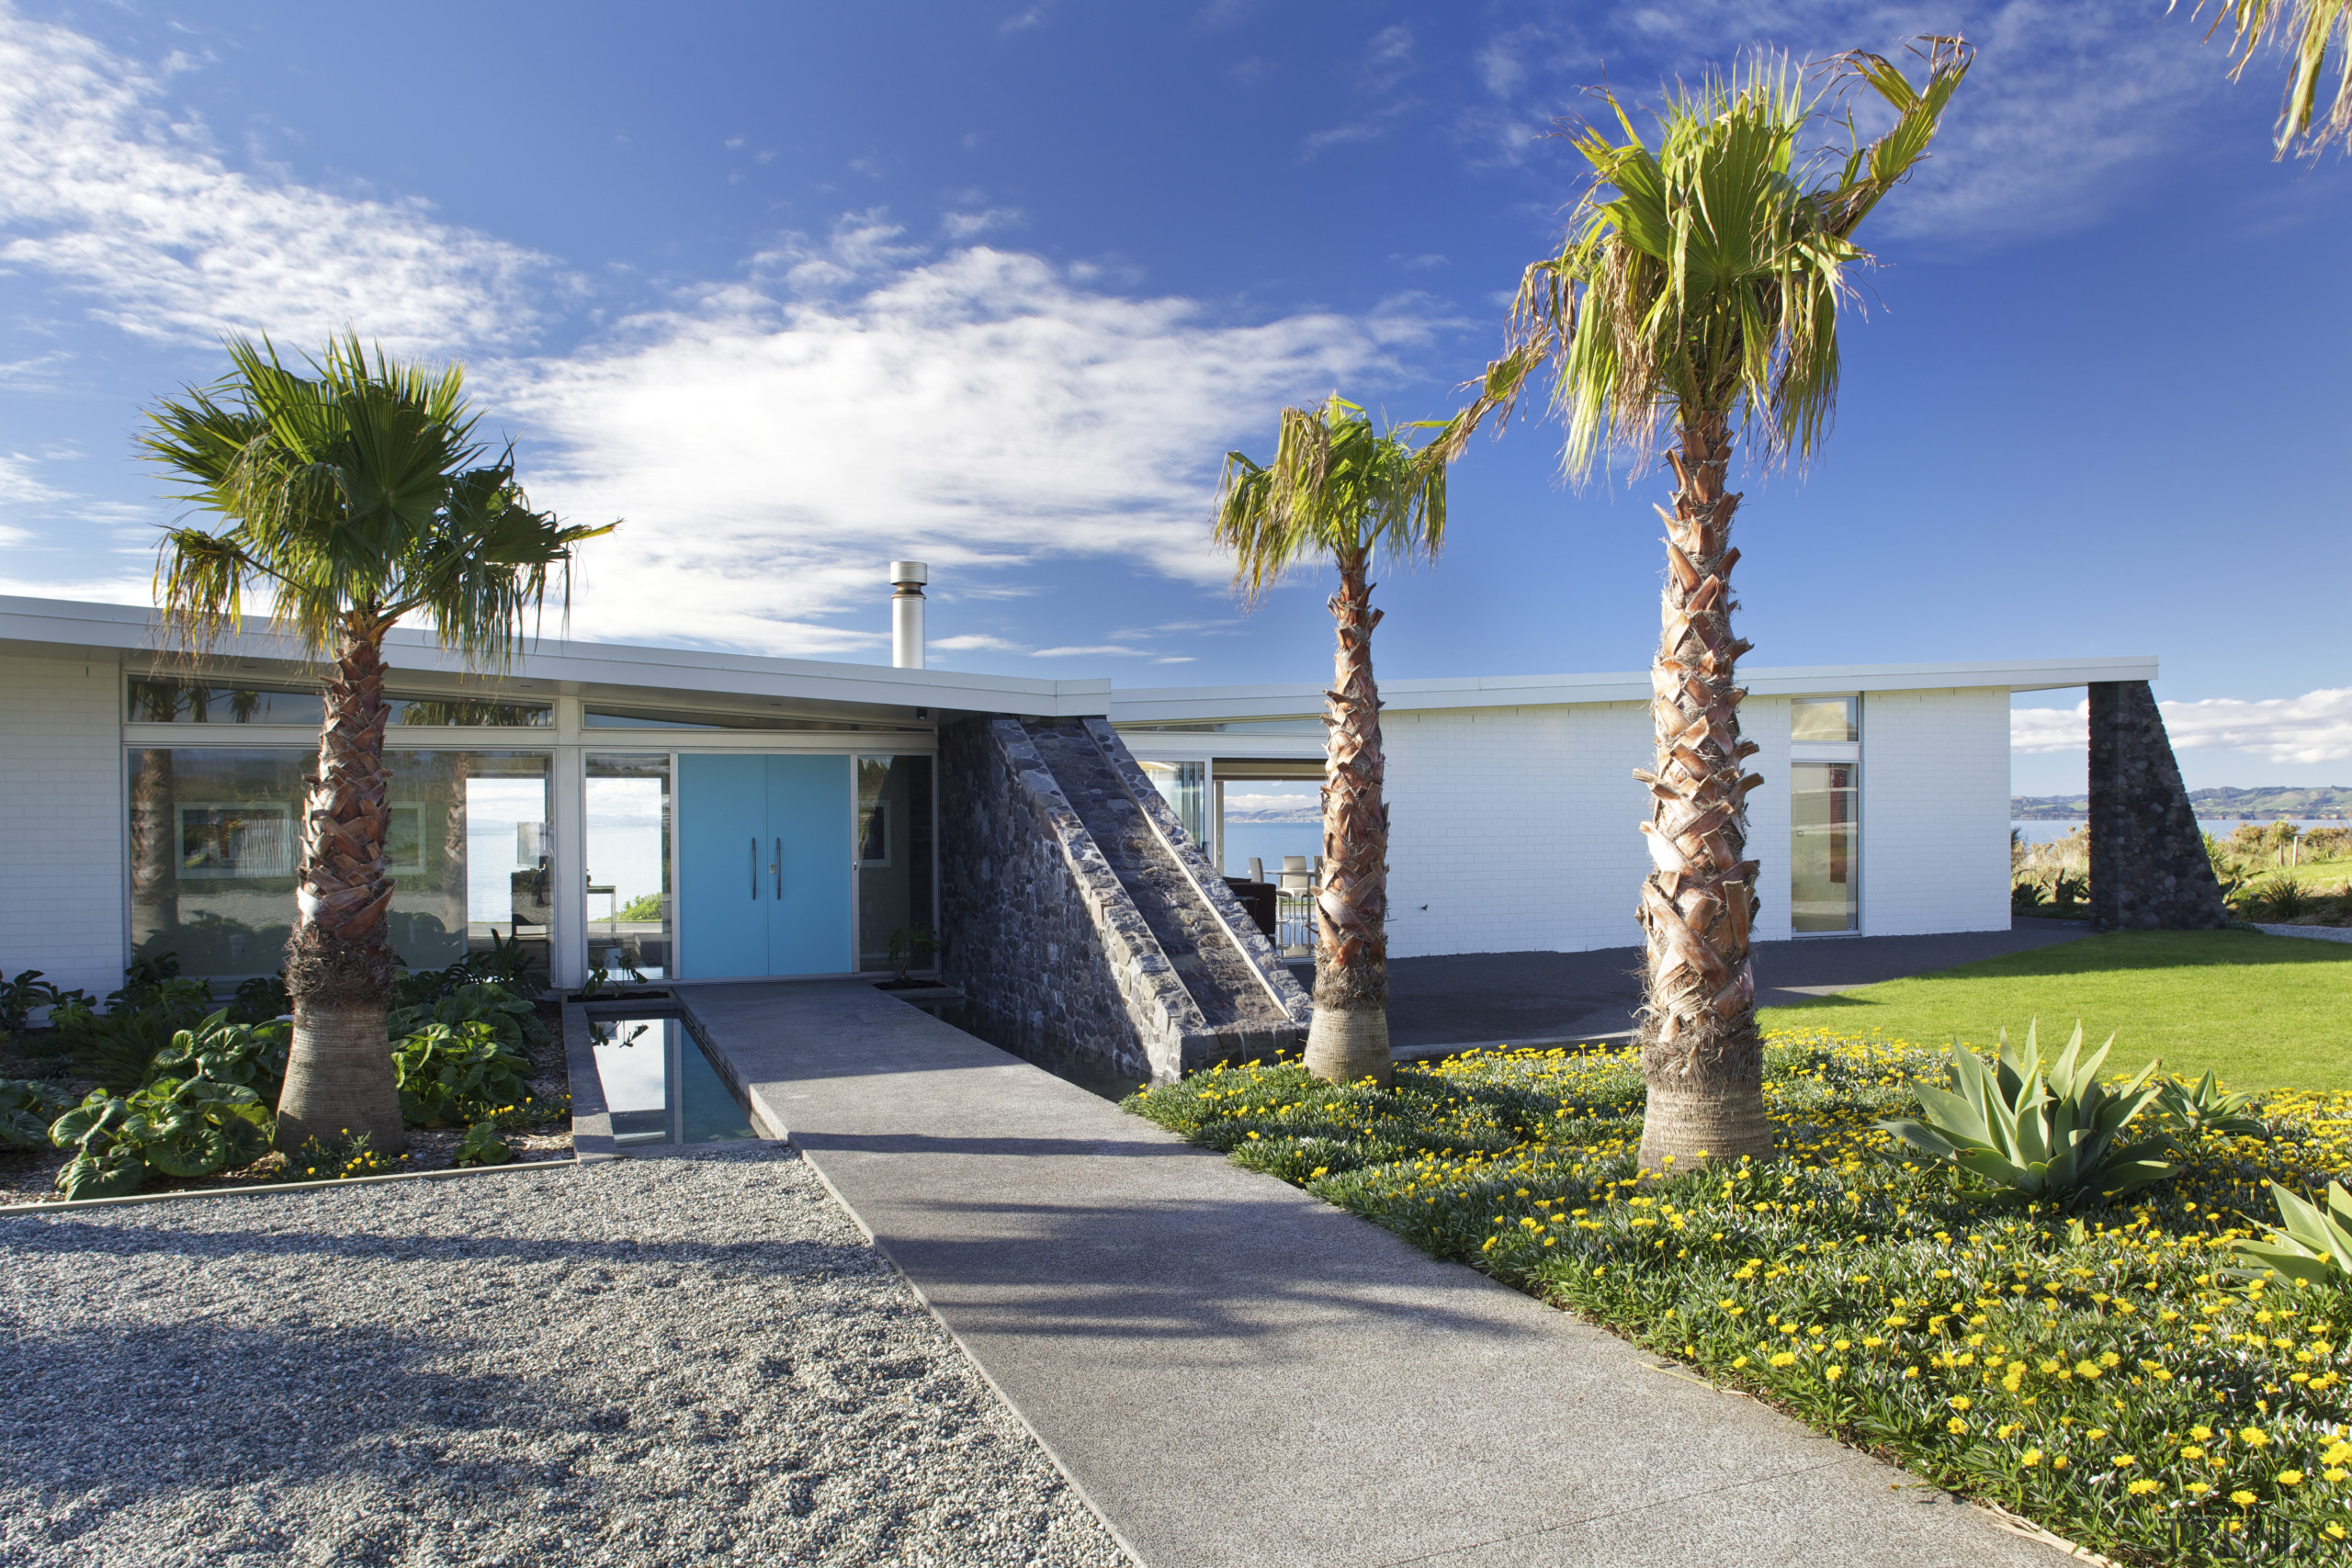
(894, 856)
(628, 862)
(1185, 786)
(1823, 845)
(606, 717)
(1823, 718)
(215, 843)
(159, 701)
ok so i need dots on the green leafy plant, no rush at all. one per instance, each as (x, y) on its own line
(183, 1127)
(119, 1046)
(2311, 1247)
(225, 1052)
(447, 1071)
(29, 990)
(482, 1145)
(26, 1109)
(512, 1019)
(2195, 1110)
(909, 944)
(260, 1000)
(2049, 1130)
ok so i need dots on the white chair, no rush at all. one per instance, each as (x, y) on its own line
(1257, 869)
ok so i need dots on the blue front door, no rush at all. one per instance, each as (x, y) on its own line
(764, 865)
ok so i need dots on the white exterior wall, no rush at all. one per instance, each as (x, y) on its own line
(1514, 829)
(1934, 811)
(63, 833)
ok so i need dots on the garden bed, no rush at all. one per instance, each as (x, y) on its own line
(2097, 1371)
(541, 1132)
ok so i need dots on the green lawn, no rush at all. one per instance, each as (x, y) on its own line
(2264, 1011)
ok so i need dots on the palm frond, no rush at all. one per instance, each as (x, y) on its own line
(2314, 34)
(1337, 488)
(353, 492)
(1704, 267)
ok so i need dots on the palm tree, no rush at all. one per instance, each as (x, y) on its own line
(1338, 490)
(2308, 30)
(353, 495)
(1695, 299)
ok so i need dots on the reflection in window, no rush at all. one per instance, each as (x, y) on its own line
(1185, 786)
(1824, 842)
(216, 841)
(158, 701)
(1314, 727)
(1823, 719)
(894, 856)
(628, 862)
(602, 717)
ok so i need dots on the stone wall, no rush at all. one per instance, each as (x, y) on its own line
(1053, 955)
(2149, 871)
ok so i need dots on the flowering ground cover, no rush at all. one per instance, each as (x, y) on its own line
(2101, 1371)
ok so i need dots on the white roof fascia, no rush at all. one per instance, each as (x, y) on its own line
(67, 625)
(1179, 705)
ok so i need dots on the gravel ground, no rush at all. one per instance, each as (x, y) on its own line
(664, 1360)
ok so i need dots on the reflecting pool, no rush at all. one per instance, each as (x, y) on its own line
(660, 1087)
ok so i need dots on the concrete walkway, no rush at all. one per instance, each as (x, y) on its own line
(1482, 999)
(1233, 1372)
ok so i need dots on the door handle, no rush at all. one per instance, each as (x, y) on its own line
(755, 868)
(779, 868)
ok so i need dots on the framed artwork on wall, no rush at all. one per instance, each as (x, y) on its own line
(404, 840)
(217, 842)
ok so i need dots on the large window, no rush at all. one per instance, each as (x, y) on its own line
(1825, 846)
(155, 700)
(630, 922)
(1185, 786)
(894, 855)
(216, 841)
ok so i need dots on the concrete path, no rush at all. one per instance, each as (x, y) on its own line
(1233, 1372)
(1483, 998)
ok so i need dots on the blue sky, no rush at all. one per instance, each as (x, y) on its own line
(800, 289)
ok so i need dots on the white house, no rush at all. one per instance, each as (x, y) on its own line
(720, 816)
(1884, 809)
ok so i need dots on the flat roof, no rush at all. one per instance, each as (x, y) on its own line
(1179, 705)
(72, 626)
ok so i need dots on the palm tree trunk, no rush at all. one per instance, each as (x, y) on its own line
(339, 966)
(1349, 1039)
(1701, 1055)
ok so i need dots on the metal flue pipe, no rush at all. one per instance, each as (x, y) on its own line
(907, 579)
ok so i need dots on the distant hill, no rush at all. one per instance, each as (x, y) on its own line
(2260, 805)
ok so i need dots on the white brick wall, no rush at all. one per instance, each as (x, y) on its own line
(1934, 811)
(61, 820)
(1515, 829)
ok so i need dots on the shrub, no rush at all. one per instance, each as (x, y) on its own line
(507, 965)
(26, 1109)
(447, 1070)
(340, 1160)
(510, 1017)
(482, 1145)
(261, 999)
(117, 1047)
(183, 1127)
(2311, 1247)
(2048, 1131)
(29, 990)
(251, 1054)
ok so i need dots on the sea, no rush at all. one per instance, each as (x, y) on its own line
(2044, 832)
(1269, 842)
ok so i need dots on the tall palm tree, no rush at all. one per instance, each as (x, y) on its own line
(1338, 490)
(353, 495)
(1696, 300)
(2309, 31)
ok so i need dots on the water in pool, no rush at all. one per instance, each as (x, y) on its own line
(660, 1087)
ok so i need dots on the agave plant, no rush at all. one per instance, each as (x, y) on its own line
(2312, 1246)
(2048, 1130)
(2195, 1110)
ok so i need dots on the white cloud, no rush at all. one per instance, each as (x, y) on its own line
(1086, 651)
(101, 189)
(973, 643)
(17, 485)
(772, 446)
(2313, 727)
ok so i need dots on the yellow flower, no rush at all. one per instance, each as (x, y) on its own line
(2254, 1437)
(2290, 1478)
(2142, 1486)
(2243, 1499)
